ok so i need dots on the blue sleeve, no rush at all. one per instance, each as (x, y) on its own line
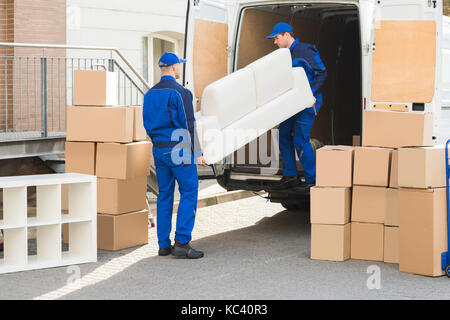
(185, 111)
(176, 115)
(192, 127)
(318, 67)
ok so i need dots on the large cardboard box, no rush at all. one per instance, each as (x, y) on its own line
(330, 242)
(64, 197)
(421, 167)
(116, 232)
(393, 179)
(391, 244)
(367, 241)
(94, 88)
(369, 204)
(423, 230)
(371, 166)
(123, 161)
(334, 166)
(80, 157)
(330, 205)
(391, 218)
(120, 196)
(397, 129)
(139, 132)
(101, 124)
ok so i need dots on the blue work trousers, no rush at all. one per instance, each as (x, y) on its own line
(167, 172)
(294, 135)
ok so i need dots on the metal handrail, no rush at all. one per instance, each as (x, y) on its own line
(78, 47)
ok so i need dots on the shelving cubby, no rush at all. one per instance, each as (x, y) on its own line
(81, 218)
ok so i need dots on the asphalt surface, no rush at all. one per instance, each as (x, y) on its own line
(253, 250)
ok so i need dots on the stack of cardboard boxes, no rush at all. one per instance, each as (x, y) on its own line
(422, 209)
(111, 143)
(369, 202)
(398, 206)
(331, 204)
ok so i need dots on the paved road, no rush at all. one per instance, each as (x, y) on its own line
(254, 250)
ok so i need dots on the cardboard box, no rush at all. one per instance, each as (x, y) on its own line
(421, 167)
(80, 157)
(397, 129)
(64, 197)
(393, 179)
(330, 205)
(367, 241)
(369, 204)
(356, 141)
(123, 161)
(330, 242)
(371, 166)
(116, 232)
(391, 244)
(94, 88)
(139, 132)
(102, 124)
(334, 166)
(121, 196)
(391, 218)
(423, 230)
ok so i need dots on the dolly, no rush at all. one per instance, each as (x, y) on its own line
(445, 255)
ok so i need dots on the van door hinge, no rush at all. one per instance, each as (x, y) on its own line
(229, 50)
(432, 2)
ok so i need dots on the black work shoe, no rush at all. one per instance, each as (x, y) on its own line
(165, 251)
(285, 183)
(185, 251)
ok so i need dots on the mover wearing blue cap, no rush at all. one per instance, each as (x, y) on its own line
(294, 132)
(169, 121)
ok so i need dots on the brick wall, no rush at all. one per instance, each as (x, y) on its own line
(31, 21)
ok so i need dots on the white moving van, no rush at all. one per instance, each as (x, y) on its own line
(382, 54)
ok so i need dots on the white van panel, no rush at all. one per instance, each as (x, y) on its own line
(445, 95)
(211, 11)
(407, 10)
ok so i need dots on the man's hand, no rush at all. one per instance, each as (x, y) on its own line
(202, 161)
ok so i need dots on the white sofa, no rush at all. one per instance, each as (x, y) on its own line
(247, 103)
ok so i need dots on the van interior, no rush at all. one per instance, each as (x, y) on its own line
(334, 30)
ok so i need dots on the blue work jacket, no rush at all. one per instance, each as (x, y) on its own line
(305, 54)
(168, 108)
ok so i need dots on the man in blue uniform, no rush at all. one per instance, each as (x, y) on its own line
(294, 132)
(169, 121)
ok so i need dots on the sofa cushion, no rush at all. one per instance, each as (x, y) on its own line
(217, 143)
(230, 98)
(273, 75)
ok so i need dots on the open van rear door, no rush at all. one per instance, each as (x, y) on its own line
(406, 56)
(206, 43)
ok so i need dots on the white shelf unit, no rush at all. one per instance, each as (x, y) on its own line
(82, 220)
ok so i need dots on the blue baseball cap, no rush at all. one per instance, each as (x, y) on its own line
(168, 59)
(280, 27)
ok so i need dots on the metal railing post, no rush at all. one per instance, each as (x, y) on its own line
(110, 65)
(44, 126)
